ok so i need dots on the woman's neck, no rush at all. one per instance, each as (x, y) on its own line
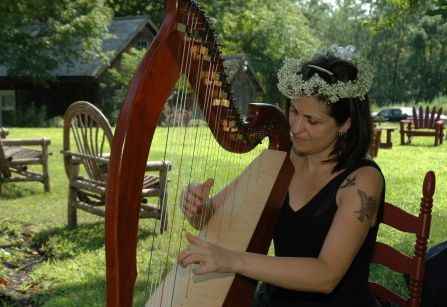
(312, 163)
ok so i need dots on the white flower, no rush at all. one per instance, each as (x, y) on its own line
(292, 85)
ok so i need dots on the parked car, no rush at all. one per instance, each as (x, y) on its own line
(396, 114)
(392, 114)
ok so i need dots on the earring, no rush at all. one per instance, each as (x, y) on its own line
(342, 133)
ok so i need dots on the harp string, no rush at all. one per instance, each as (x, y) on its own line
(195, 138)
(171, 138)
(191, 22)
(181, 139)
(204, 139)
(202, 150)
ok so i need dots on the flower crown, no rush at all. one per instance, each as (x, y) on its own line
(292, 84)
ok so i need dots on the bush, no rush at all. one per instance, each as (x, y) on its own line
(112, 105)
(32, 116)
(198, 123)
(56, 122)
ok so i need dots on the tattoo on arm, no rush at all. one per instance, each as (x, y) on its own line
(367, 207)
(349, 182)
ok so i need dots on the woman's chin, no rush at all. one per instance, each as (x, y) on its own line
(297, 151)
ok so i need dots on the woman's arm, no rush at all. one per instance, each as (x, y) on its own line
(358, 199)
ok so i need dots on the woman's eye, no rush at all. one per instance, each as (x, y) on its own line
(313, 122)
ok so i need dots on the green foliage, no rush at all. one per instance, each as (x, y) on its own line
(266, 31)
(198, 123)
(439, 9)
(118, 80)
(63, 243)
(121, 77)
(406, 46)
(154, 8)
(55, 122)
(33, 32)
(414, 64)
(32, 116)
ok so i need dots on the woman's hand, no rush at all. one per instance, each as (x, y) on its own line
(196, 203)
(210, 257)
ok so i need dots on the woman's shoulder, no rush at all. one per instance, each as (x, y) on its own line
(365, 167)
(366, 175)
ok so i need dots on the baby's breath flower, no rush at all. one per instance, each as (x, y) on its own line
(292, 85)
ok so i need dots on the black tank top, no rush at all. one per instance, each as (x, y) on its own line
(301, 234)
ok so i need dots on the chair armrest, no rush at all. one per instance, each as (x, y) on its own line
(80, 156)
(406, 124)
(26, 142)
(152, 166)
(439, 123)
(71, 158)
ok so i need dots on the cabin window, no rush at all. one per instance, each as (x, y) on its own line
(7, 106)
(142, 44)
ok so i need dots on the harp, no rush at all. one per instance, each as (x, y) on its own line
(185, 49)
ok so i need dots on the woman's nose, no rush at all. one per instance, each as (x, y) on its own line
(296, 125)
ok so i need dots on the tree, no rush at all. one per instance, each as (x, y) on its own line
(406, 46)
(118, 81)
(266, 31)
(154, 8)
(440, 8)
(36, 35)
(409, 56)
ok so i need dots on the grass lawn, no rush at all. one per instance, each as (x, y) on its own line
(61, 267)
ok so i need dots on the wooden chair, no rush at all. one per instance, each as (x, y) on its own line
(423, 124)
(87, 140)
(413, 266)
(16, 156)
(375, 142)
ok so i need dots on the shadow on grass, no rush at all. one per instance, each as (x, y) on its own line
(422, 144)
(61, 242)
(91, 293)
(14, 191)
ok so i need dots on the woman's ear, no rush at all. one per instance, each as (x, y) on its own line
(345, 127)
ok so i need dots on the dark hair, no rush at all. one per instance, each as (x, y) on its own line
(352, 146)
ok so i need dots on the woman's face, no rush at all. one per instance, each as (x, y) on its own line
(312, 129)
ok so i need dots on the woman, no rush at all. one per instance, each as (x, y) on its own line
(328, 225)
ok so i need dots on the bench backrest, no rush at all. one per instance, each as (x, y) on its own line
(88, 135)
(426, 119)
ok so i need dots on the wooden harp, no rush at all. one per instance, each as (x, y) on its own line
(185, 46)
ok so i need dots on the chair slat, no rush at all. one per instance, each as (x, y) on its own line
(429, 121)
(395, 260)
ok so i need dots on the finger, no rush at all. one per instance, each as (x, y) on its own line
(195, 240)
(191, 258)
(191, 212)
(191, 203)
(197, 199)
(207, 185)
(201, 269)
(193, 198)
(184, 254)
(195, 258)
